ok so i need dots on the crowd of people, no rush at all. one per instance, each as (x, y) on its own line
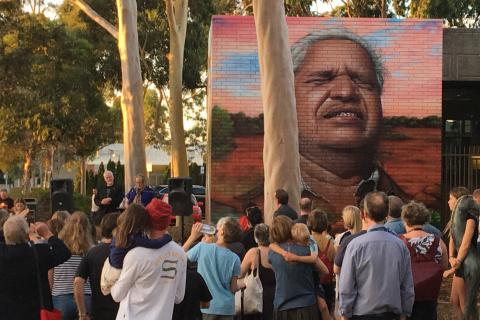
(388, 263)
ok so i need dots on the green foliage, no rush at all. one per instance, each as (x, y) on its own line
(156, 119)
(456, 13)
(82, 203)
(436, 219)
(95, 180)
(294, 8)
(49, 88)
(99, 178)
(222, 141)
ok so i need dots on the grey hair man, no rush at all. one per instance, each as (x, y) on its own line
(108, 198)
(338, 87)
(140, 193)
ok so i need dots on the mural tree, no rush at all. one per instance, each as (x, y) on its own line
(280, 150)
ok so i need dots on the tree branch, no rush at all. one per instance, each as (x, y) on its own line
(182, 11)
(110, 28)
(171, 15)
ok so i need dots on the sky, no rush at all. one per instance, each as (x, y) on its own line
(319, 5)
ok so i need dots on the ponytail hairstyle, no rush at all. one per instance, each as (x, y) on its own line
(77, 233)
(133, 220)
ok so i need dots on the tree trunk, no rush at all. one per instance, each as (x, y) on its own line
(83, 176)
(384, 8)
(27, 172)
(177, 21)
(280, 145)
(132, 94)
(132, 84)
(47, 167)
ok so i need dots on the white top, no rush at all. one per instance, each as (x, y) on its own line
(94, 208)
(151, 282)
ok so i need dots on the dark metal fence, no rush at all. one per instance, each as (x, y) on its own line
(461, 166)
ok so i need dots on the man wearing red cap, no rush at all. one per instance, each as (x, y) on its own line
(152, 280)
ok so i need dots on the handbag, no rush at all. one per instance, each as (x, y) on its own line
(45, 314)
(249, 300)
(427, 273)
(328, 278)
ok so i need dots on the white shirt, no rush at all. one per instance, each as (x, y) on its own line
(151, 282)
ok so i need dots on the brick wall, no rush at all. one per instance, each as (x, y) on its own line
(350, 128)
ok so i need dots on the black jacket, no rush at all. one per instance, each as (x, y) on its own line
(286, 210)
(19, 294)
(113, 192)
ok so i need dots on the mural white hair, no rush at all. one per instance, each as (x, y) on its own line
(300, 48)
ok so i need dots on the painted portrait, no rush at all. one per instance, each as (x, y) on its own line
(368, 99)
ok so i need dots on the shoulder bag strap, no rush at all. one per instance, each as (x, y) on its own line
(39, 281)
(325, 252)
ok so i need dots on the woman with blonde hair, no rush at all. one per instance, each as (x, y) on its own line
(77, 236)
(352, 221)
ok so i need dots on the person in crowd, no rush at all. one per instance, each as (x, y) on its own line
(57, 221)
(394, 220)
(94, 208)
(254, 216)
(78, 238)
(305, 209)
(318, 224)
(295, 292)
(61, 215)
(340, 254)
(20, 207)
(428, 228)
(259, 257)
(243, 220)
(301, 235)
(283, 209)
(352, 221)
(219, 266)
(55, 225)
(152, 280)
(108, 199)
(371, 261)
(20, 269)
(90, 269)
(5, 201)
(197, 295)
(458, 249)
(4, 215)
(130, 233)
(140, 194)
(234, 243)
(423, 246)
(476, 198)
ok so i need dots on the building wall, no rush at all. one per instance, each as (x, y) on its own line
(401, 150)
(461, 55)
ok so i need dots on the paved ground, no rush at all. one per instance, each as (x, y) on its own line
(444, 309)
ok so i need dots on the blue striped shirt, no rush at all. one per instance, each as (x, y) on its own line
(376, 275)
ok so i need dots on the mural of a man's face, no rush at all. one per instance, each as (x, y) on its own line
(338, 99)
